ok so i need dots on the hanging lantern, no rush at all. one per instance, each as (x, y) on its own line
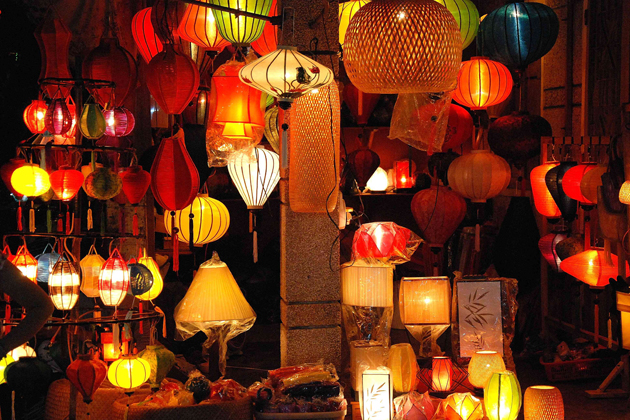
(483, 364)
(404, 367)
(479, 175)
(518, 34)
(6, 171)
(271, 128)
(547, 245)
(66, 182)
(149, 45)
(91, 266)
(26, 263)
(129, 372)
(28, 376)
(199, 27)
(481, 83)
(268, 41)
(590, 181)
(22, 351)
(87, 372)
(314, 153)
(255, 176)
(172, 79)
(110, 61)
(624, 193)
(103, 184)
(72, 131)
(516, 137)
(165, 18)
(441, 374)
(591, 267)
(110, 351)
(363, 163)
(438, 211)
(58, 119)
(197, 111)
(467, 18)
(135, 184)
(544, 202)
(4, 362)
(64, 284)
(572, 180)
(543, 402)
(346, 12)
(241, 30)
(161, 361)
(286, 74)
(553, 180)
(158, 282)
(378, 182)
(92, 122)
(140, 278)
(359, 103)
(385, 241)
(53, 38)
(460, 406)
(30, 180)
(459, 129)
(113, 280)
(381, 57)
(34, 116)
(502, 396)
(209, 217)
(119, 122)
(45, 263)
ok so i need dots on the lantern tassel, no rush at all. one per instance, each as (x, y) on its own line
(136, 231)
(477, 238)
(255, 247)
(31, 219)
(175, 244)
(48, 219)
(7, 317)
(141, 326)
(68, 222)
(19, 217)
(60, 223)
(90, 219)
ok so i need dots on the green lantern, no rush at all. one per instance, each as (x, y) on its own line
(467, 17)
(241, 30)
(92, 122)
(161, 361)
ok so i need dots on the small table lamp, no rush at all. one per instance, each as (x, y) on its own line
(482, 365)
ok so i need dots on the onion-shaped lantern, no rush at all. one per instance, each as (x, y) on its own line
(268, 41)
(438, 211)
(87, 373)
(592, 267)
(119, 122)
(591, 181)
(26, 263)
(161, 361)
(129, 372)
(58, 119)
(113, 281)
(199, 27)
(158, 282)
(241, 30)
(91, 266)
(34, 116)
(479, 175)
(467, 17)
(553, 180)
(149, 45)
(209, 219)
(30, 180)
(66, 182)
(92, 121)
(482, 83)
(103, 184)
(459, 128)
(64, 283)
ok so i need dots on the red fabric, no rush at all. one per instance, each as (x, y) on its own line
(459, 129)
(196, 28)
(572, 179)
(119, 122)
(165, 17)
(361, 104)
(149, 45)
(438, 212)
(136, 182)
(87, 374)
(66, 182)
(34, 116)
(53, 38)
(384, 241)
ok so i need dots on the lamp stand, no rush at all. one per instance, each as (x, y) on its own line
(427, 335)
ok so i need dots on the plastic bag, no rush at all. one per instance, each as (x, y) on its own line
(384, 241)
(227, 390)
(414, 406)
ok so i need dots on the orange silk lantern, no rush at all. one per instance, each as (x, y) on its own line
(34, 116)
(573, 178)
(53, 38)
(441, 374)
(113, 280)
(482, 82)
(86, 373)
(26, 263)
(591, 267)
(459, 129)
(149, 45)
(544, 202)
(268, 41)
(438, 211)
(199, 27)
(479, 175)
(66, 182)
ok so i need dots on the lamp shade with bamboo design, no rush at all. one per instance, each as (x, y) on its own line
(66, 182)
(209, 217)
(404, 367)
(161, 361)
(30, 180)
(34, 116)
(502, 396)
(482, 82)
(148, 43)
(346, 12)
(482, 365)
(91, 266)
(199, 27)
(441, 374)
(158, 281)
(367, 284)
(375, 398)
(268, 41)
(467, 17)
(590, 181)
(543, 402)
(64, 283)
(573, 179)
(26, 263)
(425, 300)
(544, 202)
(241, 30)
(592, 267)
(479, 175)
(255, 175)
(403, 46)
(129, 372)
(113, 280)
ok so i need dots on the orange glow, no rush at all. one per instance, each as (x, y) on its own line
(482, 82)
(542, 197)
(26, 263)
(111, 352)
(591, 267)
(441, 374)
(34, 116)
(199, 27)
(573, 178)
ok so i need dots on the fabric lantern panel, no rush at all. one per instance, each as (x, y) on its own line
(165, 18)
(87, 372)
(53, 38)
(66, 182)
(91, 266)
(64, 284)
(28, 376)
(590, 181)
(26, 263)
(113, 280)
(459, 128)
(438, 211)
(103, 184)
(34, 116)
(482, 83)
(255, 175)
(479, 175)
(384, 241)
(241, 30)
(268, 41)
(467, 17)
(92, 122)
(209, 218)
(572, 180)
(149, 45)
(58, 119)
(414, 406)
(404, 366)
(271, 128)
(119, 122)
(544, 202)
(30, 180)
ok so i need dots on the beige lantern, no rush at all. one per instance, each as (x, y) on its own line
(64, 283)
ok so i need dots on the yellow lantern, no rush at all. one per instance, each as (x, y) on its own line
(26, 263)
(441, 374)
(210, 217)
(22, 351)
(241, 30)
(482, 365)
(6, 361)
(129, 372)
(460, 406)
(91, 266)
(158, 282)
(543, 402)
(30, 180)
(502, 396)
(346, 11)
(404, 366)
(624, 193)
(64, 283)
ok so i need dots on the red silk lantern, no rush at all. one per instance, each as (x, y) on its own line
(591, 267)
(459, 129)
(135, 183)
(119, 122)
(149, 45)
(58, 119)
(66, 182)
(361, 104)
(34, 116)
(544, 202)
(384, 241)
(7, 170)
(110, 61)
(547, 245)
(113, 280)
(172, 79)
(268, 41)
(53, 38)
(482, 82)
(87, 373)
(573, 178)
(199, 27)
(362, 163)
(438, 212)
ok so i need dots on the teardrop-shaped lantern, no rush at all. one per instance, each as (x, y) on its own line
(91, 266)
(241, 30)
(481, 83)
(467, 17)
(479, 175)
(547, 245)
(58, 119)
(438, 211)
(361, 104)
(92, 121)
(553, 180)
(66, 182)
(103, 184)
(199, 27)
(255, 175)
(209, 217)
(149, 45)
(113, 281)
(590, 181)
(591, 267)
(363, 163)
(34, 116)
(544, 202)
(572, 180)
(135, 183)
(268, 41)
(64, 283)
(87, 373)
(140, 278)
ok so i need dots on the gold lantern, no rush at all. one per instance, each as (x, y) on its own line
(502, 396)
(482, 365)
(158, 281)
(404, 367)
(26, 263)
(30, 180)
(91, 266)
(210, 218)
(6, 361)
(129, 372)
(543, 402)
(64, 283)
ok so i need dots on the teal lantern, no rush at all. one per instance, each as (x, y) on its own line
(45, 263)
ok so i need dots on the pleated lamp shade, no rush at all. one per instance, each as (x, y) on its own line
(314, 153)
(149, 45)
(482, 365)
(479, 175)
(346, 12)
(590, 181)
(255, 175)
(268, 41)
(210, 221)
(425, 301)
(591, 267)
(368, 284)
(91, 266)
(545, 205)
(158, 281)
(113, 281)
(199, 27)
(64, 284)
(547, 245)
(34, 116)
(572, 180)
(482, 82)
(403, 46)
(129, 372)
(467, 16)
(502, 396)
(404, 366)
(241, 30)
(553, 180)
(543, 402)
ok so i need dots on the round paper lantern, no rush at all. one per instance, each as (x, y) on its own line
(544, 202)
(57, 119)
(518, 34)
(110, 61)
(161, 360)
(87, 372)
(590, 181)
(103, 184)
(119, 122)
(363, 163)
(66, 182)
(129, 372)
(482, 365)
(30, 180)
(113, 280)
(140, 278)
(92, 122)
(255, 176)
(481, 83)
(45, 263)
(210, 220)
(441, 374)
(172, 79)
(459, 129)
(26, 263)
(467, 17)
(199, 27)
(315, 129)
(6, 171)
(502, 396)
(286, 74)
(572, 180)
(516, 137)
(384, 241)
(591, 267)
(158, 282)
(553, 180)
(384, 52)
(22, 351)
(346, 12)
(547, 245)
(34, 116)
(438, 211)
(64, 284)
(479, 175)
(91, 266)
(359, 103)
(268, 41)
(543, 402)
(149, 45)
(404, 366)
(6, 361)
(241, 30)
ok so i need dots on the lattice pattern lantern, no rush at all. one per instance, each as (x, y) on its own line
(64, 283)
(543, 402)
(502, 396)
(129, 372)
(113, 280)
(26, 263)
(149, 45)
(483, 364)
(384, 241)
(91, 266)
(482, 83)
(205, 220)
(241, 30)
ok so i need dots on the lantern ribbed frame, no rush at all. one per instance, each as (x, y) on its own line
(30, 180)
(403, 46)
(199, 27)
(22, 351)
(210, 222)
(441, 374)
(72, 109)
(158, 282)
(572, 180)
(502, 396)
(438, 212)
(241, 30)
(314, 153)
(53, 38)
(404, 366)
(91, 266)
(255, 176)
(149, 45)
(268, 41)
(66, 182)
(482, 82)
(119, 122)
(482, 365)
(103, 184)
(161, 361)
(34, 116)
(467, 17)
(92, 122)
(87, 373)
(129, 372)
(58, 119)
(113, 280)
(286, 74)
(135, 183)
(479, 175)
(545, 205)
(543, 402)
(26, 263)
(346, 12)
(165, 18)
(591, 267)
(590, 181)
(64, 284)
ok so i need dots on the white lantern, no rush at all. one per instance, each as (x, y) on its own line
(63, 284)
(255, 175)
(376, 394)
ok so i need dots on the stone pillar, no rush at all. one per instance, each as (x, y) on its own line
(310, 290)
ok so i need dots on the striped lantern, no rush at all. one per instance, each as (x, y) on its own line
(113, 280)
(199, 27)
(103, 184)
(205, 220)
(34, 116)
(87, 373)
(129, 372)
(66, 182)
(119, 122)
(64, 283)
(149, 45)
(467, 17)
(255, 176)
(26, 263)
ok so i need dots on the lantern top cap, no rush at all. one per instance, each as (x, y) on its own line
(287, 47)
(485, 352)
(543, 387)
(214, 262)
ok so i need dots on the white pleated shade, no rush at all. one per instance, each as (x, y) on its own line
(425, 300)
(255, 175)
(367, 284)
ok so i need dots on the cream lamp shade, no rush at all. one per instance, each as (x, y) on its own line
(255, 175)
(623, 306)
(482, 365)
(376, 394)
(367, 284)
(365, 355)
(425, 300)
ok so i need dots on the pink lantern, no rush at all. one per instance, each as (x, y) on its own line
(385, 241)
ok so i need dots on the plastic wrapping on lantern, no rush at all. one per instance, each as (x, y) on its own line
(373, 323)
(420, 120)
(414, 406)
(385, 242)
(427, 336)
(365, 355)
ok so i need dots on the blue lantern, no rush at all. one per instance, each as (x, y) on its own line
(518, 34)
(45, 263)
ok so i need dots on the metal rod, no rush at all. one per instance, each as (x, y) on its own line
(274, 20)
(52, 322)
(78, 146)
(63, 235)
(62, 81)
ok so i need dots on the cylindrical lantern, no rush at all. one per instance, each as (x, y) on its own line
(544, 202)
(590, 181)
(479, 175)
(572, 180)
(591, 267)
(482, 82)
(161, 360)
(158, 282)
(385, 241)
(255, 176)
(467, 17)
(92, 122)
(405, 170)
(502, 396)
(6, 172)
(376, 394)
(346, 12)
(441, 374)
(314, 153)
(26, 263)
(149, 45)
(380, 56)
(482, 365)
(45, 263)
(119, 122)
(543, 402)
(209, 217)
(367, 284)
(553, 180)
(34, 116)
(110, 351)
(30, 180)
(199, 27)
(425, 300)
(103, 184)
(459, 129)
(66, 182)
(129, 372)
(64, 284)
(547, 245)
(113, 280)
(91, 266)
(241, 30)
(365, 355)
(438, 211)
(53, 38)
(86, 373)
(268, 41)
(404, 367)
(58, 119)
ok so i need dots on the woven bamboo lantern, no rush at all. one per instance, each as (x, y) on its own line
(91, 266)
(314, 153)
(502, 396)
(199, 27)
(57, 119)
(66, 182)
(149, 45)
(103, 184)
(572, 180)
(479, 175)
(26, 263)
(553, 180)
(92, 121)
(543, 402)
(86, 373)
(403, 46)
(34, 116)
(161, 361)
(268, 41)
(624, 193)
(241, 30)
(590, 181)
(404, 367)
(158, 282)
(113, 280)
(482, 82)
(467, 17)
(482, 365)
(545, 205)
(210, 220)
(346, 12)
(119, 122)
(438, 211)
(64, 283)
(129, 372)
(45, 263)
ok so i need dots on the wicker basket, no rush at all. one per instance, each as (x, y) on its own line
(332, 415)
(229, 410)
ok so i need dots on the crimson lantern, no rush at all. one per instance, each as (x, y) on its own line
(438, 212)
(547, 245)
(119, 122)
(53, 38)
(135, 183)
(34, 115)
(591, 267)
(384, 241)
(459, 129)
(545, 205)
(66, 182)
(149, 45)
(572, 180)
(58, 119)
